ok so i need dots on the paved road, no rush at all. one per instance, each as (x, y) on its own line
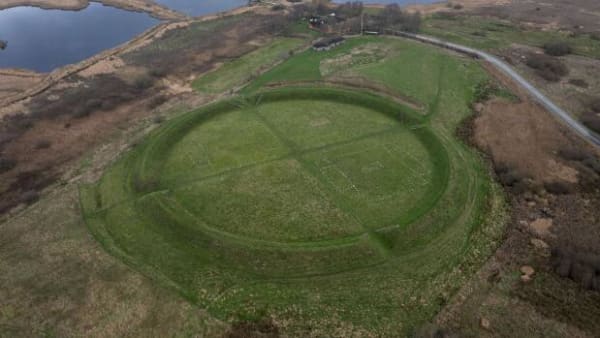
(508, 70)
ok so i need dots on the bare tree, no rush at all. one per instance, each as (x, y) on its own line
(351, 9)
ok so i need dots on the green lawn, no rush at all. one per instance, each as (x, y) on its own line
(243, 69)
(302, 67)
(335, 211)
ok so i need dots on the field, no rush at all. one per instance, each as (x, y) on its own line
(243, 69)
(489, 33)
(331, 211)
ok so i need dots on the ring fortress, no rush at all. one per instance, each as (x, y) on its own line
(243, 199)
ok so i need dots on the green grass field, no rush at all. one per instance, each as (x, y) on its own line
(336, 212)
(242, 70)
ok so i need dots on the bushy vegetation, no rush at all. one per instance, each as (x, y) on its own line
(579, 83)
(494, 34)
(588, 166)
(350, 16)
(595, 105)
(393, 17)
(583, 268)
(105, 92)
(549, 68)
(592, 121)
(557, 48)
(351, 9)
(43, 144)
(171, 54)
(559, 187)
(6, 164)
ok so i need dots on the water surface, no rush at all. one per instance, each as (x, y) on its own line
(43, 40)
(202, 7)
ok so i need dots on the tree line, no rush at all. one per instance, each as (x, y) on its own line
(350, 17)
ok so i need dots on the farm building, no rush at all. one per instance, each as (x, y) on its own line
(328, 43)
(316, 21)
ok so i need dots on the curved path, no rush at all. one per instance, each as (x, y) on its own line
(577, 126)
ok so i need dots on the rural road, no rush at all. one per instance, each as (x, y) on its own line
(577, 126)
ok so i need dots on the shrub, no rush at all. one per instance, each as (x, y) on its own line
(158, 119)
(157, 101)
(351, 9)
(573, 154)
(592, 163)
(557, 48)
(145, 186)
(547, 67)
(581, 268)
(583, 274)
(253, 328)
(104, 92)
(589, 180)
(143, 82)
(483, 91)
(43, 144)
(7, 164)
(93, 104)
(564, 267)
(526, 185)
(595, 105)
(19, 122)
(158, 72)
(81, 112)
(29, 197)
(27, 180)
(510, 178)
(592, 121)
(558, 187)
(579, 83)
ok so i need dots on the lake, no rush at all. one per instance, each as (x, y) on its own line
(202, 7)
(43, 40)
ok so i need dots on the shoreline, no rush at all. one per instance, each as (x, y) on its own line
(145, 6)
(50, 79)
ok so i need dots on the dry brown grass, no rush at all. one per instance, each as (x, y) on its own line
(523, 136)
(57, 281)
